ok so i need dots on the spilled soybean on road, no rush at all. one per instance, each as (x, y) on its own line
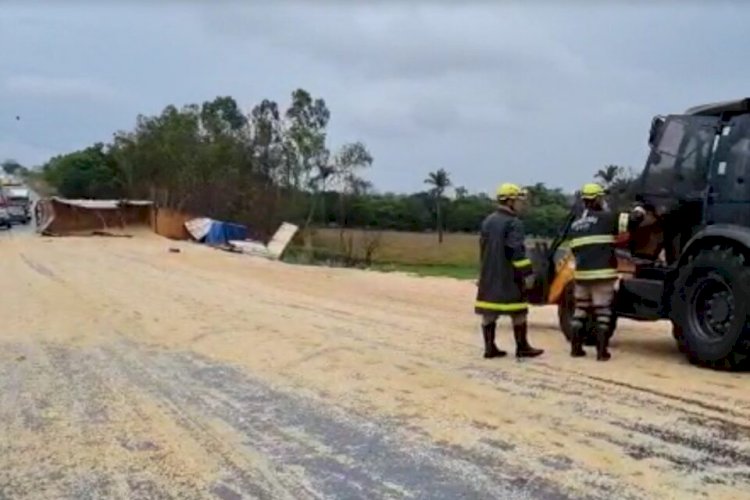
(127, 371)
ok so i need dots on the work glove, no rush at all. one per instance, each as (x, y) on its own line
(637, 214)
(638, 211)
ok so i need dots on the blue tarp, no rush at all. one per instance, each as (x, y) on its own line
(221, 232)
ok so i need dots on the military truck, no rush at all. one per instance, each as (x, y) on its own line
(690, 264)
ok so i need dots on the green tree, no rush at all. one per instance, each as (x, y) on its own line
(162, 158)
(466, 213)
(89, 173)
(348, 162)
(622, 188)
(195, 158)
(609, 174)
(547, 210)
(306, 155)
(12, 167)
(461, 192)
(222, 116)
(440, 181)
(212, 159)
(267, 139)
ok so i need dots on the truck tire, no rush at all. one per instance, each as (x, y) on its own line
(679, 338)
(710, 308)
(565, 309)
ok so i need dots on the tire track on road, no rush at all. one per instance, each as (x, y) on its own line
(40, 269)
(342, 455)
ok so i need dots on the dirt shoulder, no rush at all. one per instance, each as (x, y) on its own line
(378, 351)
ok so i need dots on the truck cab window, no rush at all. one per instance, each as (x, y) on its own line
(679, 163)
(660, 170)
(694, 161)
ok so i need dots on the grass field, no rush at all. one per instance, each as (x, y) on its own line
(396, 247)
(418, 253)
(458, 272)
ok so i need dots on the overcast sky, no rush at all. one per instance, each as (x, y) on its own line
(489, 90)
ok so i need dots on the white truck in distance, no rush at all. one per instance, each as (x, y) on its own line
(19, 203)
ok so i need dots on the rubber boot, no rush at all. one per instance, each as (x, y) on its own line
(576, 340)
(490, 349)
(602, 340)
(523, 349)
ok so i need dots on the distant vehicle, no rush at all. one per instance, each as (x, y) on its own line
(4, 214)
(11, 181)
(18, 204)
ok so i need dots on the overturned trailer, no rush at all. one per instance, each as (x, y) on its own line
(61, 216)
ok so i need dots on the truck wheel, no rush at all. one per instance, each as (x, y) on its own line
(711, 308)
(679, 338)
(565, 309)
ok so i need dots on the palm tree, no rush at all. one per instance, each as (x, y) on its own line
(609, 174)
(439, 180)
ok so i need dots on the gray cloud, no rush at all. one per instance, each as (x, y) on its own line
(402, 42)
(489, 91)
(58, 87)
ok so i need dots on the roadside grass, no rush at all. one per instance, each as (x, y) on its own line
(390, 251)
(403, 248)
(457, 272)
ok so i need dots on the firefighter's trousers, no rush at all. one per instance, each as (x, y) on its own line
(594, 298)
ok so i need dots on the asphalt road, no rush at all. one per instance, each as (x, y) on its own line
(129, 371)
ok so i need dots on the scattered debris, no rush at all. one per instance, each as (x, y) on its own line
(275, 247)
(198, 228)
(215, 233)
(233, 237)
(174, 250)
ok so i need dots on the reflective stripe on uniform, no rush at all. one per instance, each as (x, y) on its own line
(595, 274)
(497, 306)
(591, 240)
(622, 222)
(521, 263)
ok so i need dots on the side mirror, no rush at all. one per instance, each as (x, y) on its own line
(656, 125)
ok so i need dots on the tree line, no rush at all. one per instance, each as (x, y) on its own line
(269, 165)
(212, 159)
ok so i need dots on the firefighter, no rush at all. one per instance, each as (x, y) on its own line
(592, 240)
(504, 274)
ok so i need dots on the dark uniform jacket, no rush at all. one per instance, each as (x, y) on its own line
(592, 240)
(504, 265)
